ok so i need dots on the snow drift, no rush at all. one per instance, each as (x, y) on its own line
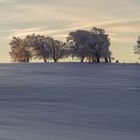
(69, 101)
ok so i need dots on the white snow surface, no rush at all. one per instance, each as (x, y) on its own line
(69, 101)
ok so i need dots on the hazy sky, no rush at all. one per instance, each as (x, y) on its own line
(120, 18)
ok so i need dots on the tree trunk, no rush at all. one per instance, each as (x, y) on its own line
(82, 59)
(93, 60)
(98, 60)
(97, 54)
(55, 60)
(106, 60)
(90, 59)
(45, 61)
(110, 60)
(27, 60)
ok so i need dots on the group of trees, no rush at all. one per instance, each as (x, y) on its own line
(90, 45)
(37, 47)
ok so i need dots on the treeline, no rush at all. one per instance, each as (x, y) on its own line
(92, 46)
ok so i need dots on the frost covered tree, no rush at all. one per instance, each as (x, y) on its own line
(92, 45)
(102, 44)
(77, 42)
(19, 51)
(57, 50)
(137, 47)
(46, 48)
(39, 45)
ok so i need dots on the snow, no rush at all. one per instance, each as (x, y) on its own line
(69, 101)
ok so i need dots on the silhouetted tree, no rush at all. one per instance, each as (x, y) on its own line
(102, 43)
(137, 47)
(77, 42)
(19, 51)
(57, 50)
(39, 46)
(92, 45)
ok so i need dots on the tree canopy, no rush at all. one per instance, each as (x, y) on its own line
(92, 45)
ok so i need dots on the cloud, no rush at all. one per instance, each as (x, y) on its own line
(4, 1)
(117, 30)
(57, 18)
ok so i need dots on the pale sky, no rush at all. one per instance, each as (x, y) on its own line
(120, 19)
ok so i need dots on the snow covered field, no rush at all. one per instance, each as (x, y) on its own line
(69, 101)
